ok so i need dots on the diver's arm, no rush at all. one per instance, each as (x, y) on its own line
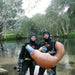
(40, 49)
(46, 60)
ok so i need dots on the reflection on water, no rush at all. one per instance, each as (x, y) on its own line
(9, 54)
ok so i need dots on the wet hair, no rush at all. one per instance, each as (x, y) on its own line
(46, 32)
(32, 35)
(30, 38)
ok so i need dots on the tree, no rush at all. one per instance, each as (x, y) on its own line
(25, 24)
(71, 13)
(10, 10)
(59, 20)
(41, 23)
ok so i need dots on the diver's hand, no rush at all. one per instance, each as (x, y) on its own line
(19, 62)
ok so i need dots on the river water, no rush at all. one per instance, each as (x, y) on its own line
(9, 51)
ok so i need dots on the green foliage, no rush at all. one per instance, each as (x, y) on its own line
(56, 21)
(25, 26)
(40, 22)
(12, 36)
(10, 10)
(71, 13)
(71, 34)
(57, 24)
(1, 5)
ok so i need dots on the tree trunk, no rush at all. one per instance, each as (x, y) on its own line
(1, 27)
(2, 48)
(5, 32)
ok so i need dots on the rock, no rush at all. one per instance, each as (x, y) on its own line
(3, 71)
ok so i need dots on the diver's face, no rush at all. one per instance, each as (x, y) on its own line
(33, 38)
(46, 36)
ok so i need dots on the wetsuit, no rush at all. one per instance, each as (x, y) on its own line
(27, 60)
(52, 50)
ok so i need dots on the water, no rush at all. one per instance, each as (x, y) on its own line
(9, 51)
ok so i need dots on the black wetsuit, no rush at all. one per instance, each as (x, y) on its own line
(53, 51)
(27, 60)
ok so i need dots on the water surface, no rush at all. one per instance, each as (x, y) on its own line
(9, 51)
